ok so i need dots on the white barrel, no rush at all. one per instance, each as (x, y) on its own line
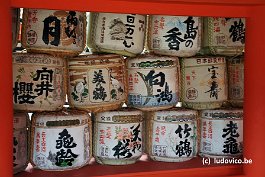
(57, 32)
(174, 35)
(118, 137)
(236, 81)
(221, 133)
(172, 135)
(38, 82)
(117, 33)
(153, 82)
(20, 141)
(204, 82)
(224, 36)
(97, 82)
(61, 140)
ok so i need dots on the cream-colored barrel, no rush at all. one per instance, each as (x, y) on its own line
(153, 82)
(61, 140)
(174, 35)
(224, 36)
(118, 137)
(204, 82)
(221, 133)
(20, 140)
(117, 33)
(38, 82)
(172, 135)
(236, 81)
(97, 82)
(15, 26)
(57, 32)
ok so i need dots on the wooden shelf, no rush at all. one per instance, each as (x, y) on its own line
(190, 168)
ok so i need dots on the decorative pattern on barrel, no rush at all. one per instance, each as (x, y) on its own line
(153, 82)
(172, 135)
(97, 82)
(38, 82)
(117, 33)
(61, 140)
(175, 35)
(118, 137)
(57, 32)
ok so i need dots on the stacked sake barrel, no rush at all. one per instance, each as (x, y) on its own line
(170, 102)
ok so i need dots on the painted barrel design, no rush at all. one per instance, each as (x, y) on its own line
(153, 82)
(117, 33)
(236, 81)
(57, 32)
(118, 137)
(38, 82)
(175, 35)
(204, 82)
(20, 140)
(221, 133)
(97, 82)
(61, 140)
(172, 135)
(224, 36)
(15, 26)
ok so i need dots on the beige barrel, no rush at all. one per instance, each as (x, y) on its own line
(97, 82)
(204, 82)
(38, 82)
(60, 140)
(224, 36)
(153, 82)
(57, 32)
(15, 26)
(236, 81)
(118, 137)
(117, 33)
(221, 133)
(174, 35)
(172, 135)
(20, 139)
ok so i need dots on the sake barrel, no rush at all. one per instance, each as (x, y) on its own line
(15, 26)
(172, 135)
(204, 82)
(153, 82)
(20, 139)
(117, 33)
(118, 137)
(57, 32)
(236, 81)
(38, 82)
(224, 36)
(97, 82)
(175, 35)
(221, 133)
(60, 140)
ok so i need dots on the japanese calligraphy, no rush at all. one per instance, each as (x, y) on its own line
(65, 156)
(52, 28)
(183, 147)
(237, 31)
(128, 141)
(130, 31)
(230, 133)
(213, 83)
(99, 92)
(72, 22)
